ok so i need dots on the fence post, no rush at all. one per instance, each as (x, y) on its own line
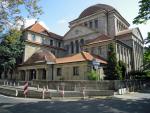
(4, 83)
(83, 92)
(18, 84)
(58, 88)
(75, 88)
(47, 88)
(38, 87)
(43, 93)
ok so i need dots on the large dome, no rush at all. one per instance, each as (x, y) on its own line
(95, 8)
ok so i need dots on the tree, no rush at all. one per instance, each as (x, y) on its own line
(143, 17)
(11, 11)
(144, 12)
(113, 67)
(11, 51)
(122, 66)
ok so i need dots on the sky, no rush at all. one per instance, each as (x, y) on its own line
(57, 13)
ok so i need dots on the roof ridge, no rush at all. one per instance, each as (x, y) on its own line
(84, 56)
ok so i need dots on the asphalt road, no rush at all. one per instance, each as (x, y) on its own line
(133, 103)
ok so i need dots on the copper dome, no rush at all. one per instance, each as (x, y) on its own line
(95, 8)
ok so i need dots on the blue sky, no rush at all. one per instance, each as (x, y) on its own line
(57, 13)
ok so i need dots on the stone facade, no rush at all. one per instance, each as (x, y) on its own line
(95, 28)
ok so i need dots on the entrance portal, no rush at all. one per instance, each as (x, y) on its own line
(32, 74)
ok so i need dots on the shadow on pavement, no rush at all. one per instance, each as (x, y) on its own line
(82, 106)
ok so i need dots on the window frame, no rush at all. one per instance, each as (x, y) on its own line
(59, 71)
(51, 42)
(96, 23)
(33, 37)
(76, 71)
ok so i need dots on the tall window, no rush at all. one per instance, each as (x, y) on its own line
(82, 42)
(59, 71)
(59, 44)
(99, 50)
(43, 40)
(75, 70)
(72, 47)
(33, 37)
(44, 74)
(93, 50)
(91, 24)
(51, 42)
(96, 23)
(77, 46)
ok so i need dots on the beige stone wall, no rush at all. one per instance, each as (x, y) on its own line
(95, 48)
(30, 49)
(67, 71)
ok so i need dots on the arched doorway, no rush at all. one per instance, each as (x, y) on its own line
(22, 75)
(32, 75)
(43, 74)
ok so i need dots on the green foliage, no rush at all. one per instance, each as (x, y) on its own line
(11, 51)
(113, 67)
(11, 11)
(147, 59)
(122, 67)
(144, 12)
(138, 74)
(92, 75)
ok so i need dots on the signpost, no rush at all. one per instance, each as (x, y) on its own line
(96, 64)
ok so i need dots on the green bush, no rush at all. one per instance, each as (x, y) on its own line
(92, 75)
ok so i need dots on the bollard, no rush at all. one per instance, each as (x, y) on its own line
(7, 83)
(62, 92)
(119, 91)
(43, 93)
(4, 83)
(18, 83)
(16, 92)
(14, 84)
(38, 87)
(75, 88)
(83, 92)
(47, 88)
(57, 88)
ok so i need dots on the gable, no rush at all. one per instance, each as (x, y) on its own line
(78, 31)
(138, 34)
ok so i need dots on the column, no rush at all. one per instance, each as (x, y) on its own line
(19, 75)
(27, 75)
(37, 74)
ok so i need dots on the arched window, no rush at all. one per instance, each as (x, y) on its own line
(77, 46)
(72, 47)
(82, 42)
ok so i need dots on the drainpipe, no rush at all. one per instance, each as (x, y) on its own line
(107, 22)
(52, 71)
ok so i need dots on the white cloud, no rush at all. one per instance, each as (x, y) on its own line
(29, 22)
(62, 22)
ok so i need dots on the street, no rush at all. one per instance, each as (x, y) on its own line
(129, 103)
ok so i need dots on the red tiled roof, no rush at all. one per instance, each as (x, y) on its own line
(41, 56)
(83, 56)
(100, 38)
(38, 28)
